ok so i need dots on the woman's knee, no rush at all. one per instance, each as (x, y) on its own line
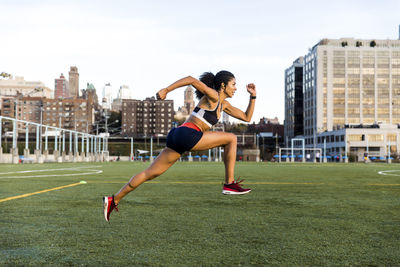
(232, 138)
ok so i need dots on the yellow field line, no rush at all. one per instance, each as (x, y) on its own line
(39, 192)
(385, 184)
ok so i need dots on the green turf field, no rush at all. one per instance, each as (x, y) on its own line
(297, 215)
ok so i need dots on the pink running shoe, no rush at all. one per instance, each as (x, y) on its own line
(108, 206)
(235, 188)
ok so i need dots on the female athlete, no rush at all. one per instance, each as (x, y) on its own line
(194, 134)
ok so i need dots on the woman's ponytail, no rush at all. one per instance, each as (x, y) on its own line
(208, 79)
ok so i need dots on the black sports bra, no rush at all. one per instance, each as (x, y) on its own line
(209, 117)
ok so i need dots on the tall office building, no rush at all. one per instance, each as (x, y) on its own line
(350, 81)
(225, 118)
(189, 99)
(352, 96)
(61, 87)
(107, 98)
(124, 92)
(294, 100)
(73, 82)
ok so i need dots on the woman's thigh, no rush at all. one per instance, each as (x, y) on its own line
(165, 160)
(214, 139)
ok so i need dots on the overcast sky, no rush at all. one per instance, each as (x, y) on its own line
(147, 45)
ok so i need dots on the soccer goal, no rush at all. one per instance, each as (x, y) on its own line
(300, 154)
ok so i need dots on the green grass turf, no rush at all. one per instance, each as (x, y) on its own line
(297, 214)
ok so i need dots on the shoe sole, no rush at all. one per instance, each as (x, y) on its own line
(227, 192)
(105, 207)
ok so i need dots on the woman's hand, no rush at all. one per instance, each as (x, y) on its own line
(251, 88)
(162, 94)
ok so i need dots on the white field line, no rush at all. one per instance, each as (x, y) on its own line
(389, 172)
(49, 170)
(53, 175)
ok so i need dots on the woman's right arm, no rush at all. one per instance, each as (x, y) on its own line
(209, 92)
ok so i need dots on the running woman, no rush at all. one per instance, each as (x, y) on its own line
(194, 134)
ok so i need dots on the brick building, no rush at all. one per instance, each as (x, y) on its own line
(61, 87)
(147, 117)
(22, 108)
(75, 114)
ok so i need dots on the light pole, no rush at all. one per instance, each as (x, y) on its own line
(41, 128)
(105, 145)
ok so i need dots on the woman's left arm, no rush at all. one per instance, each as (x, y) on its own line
(239, 114)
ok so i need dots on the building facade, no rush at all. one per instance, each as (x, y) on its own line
(189, 99)
(107, 98)
(70, 113)
(22, 108)
(294, 100)
(147, 117)
(61, 87)
(19, 86)
(188, 104)
(352, 84)
(378, 141)
(123, 93)
(73, 82)
(225, 118)
(73, 114)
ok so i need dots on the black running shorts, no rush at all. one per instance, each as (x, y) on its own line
(183, 139)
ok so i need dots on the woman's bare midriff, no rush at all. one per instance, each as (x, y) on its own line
(202, 126)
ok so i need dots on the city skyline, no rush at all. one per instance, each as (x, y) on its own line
(147, 46)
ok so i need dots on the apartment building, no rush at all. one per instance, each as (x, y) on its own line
(75, 114)
(146, 117)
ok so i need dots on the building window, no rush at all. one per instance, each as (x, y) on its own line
(355, 137)
(391, 137)
(375, 137)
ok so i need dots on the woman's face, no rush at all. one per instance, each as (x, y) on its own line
(230, 88)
